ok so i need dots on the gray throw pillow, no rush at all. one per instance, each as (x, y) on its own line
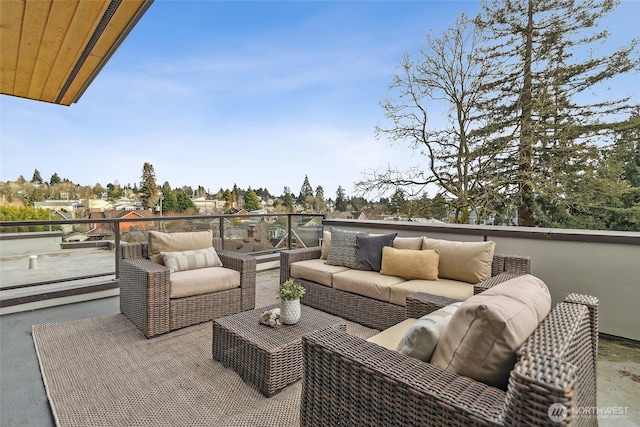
(369, 253)
(343, 248)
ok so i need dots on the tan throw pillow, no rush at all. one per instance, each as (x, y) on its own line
(422, 337)
(326, 244)
(481, 339)
(465, 261)
(191, 260)
(409, 263)
(177, 242)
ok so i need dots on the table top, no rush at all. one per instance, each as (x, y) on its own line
(245, 324)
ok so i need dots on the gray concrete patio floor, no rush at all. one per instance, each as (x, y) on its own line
(23, 399)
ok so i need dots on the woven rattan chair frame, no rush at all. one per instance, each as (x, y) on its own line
(351, 382)
(145, 290)
(375, 313)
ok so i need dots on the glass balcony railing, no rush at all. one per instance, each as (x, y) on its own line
(68, 253)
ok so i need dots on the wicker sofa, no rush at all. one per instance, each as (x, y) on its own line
(352, 382)
(146, 290)
(374, 312)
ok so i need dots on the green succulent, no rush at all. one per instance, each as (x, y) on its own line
(290, 290)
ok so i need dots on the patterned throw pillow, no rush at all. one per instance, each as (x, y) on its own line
(344, 245)
(191, 260)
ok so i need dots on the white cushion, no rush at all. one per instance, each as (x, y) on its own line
(422, 337)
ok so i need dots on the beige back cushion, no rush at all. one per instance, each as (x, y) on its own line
(414, 243)
(466, 261)
(177, 242)
(483, 335)
(326, 244)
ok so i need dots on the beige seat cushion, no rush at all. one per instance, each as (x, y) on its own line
(443, 287)
(177, 242)
(203, 281)
(367, 283)
(466, 261)
(483, 335)
(391, 337)
(315, 270)
(410, 264)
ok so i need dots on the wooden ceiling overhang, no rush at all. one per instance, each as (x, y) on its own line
(51, 50)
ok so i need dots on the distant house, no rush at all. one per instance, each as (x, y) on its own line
(75, 237)
(302, 237)
(249, 243)
(105, 231)
(205, 206)
(128, 205)
(58, 205)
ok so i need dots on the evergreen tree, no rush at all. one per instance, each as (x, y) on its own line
(183, 200)
(148, 187)
(169, 199)
(305, 191)
(229, 198)
(251, 201)
(319, 203)
(548, 135)
(341, 199)
(36, 179)
(55, 179)
(114, 192)
(287, 199)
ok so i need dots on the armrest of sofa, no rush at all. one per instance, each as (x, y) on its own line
(483, 286)
(513, 264)
(144, 294)
(557, 366)
(246, 266)
(294, 255)
(349, 381)
(134, 250)
(421, 303)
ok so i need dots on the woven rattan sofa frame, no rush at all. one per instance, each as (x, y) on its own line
(145, 290)
(372, 312)
(351, 382)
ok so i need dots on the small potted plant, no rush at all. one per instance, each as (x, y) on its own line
(290, 292)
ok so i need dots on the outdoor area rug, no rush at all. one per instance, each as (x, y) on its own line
(102, 372)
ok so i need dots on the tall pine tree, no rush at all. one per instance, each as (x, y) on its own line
(537, 106)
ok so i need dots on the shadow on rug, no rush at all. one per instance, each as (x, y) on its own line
(102, 372)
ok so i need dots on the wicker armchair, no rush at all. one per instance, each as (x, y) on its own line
(145, 292)
(351, 382)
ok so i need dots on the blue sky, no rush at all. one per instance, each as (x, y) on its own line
(258, 94)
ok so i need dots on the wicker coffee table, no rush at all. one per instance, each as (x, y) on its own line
(269, 358)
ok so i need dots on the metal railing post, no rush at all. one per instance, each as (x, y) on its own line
(289, 231)
(222, 230)
(116, 242)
